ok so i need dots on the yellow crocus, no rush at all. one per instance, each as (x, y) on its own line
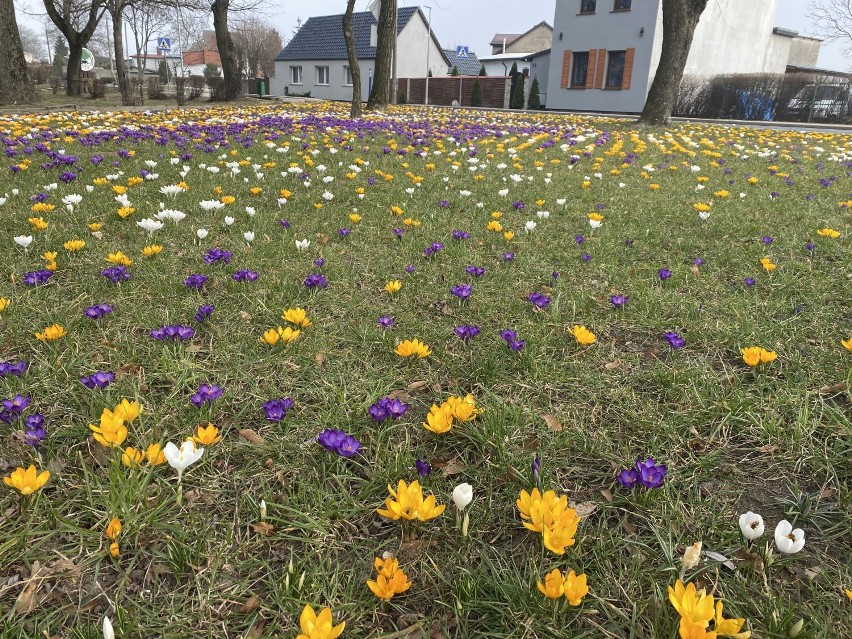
(318, 626)
(407, 502)
(74, 245)
(227, 199)
(113, 529)
(207, 435)
(37, 223)
(51, 333)
(5, 301)
(111, 432)
(296, 316)
(132, 457)
(390, 581)
(154, 455)
(463, 408)
(847, 343)
(729, 627)
(288, 334)
(768, 264)
(354, 218)
(584, 336)
(553, 586)
(828, 232)
(575, 588)
(413, 348)
(127, 410)
(270, 336)
(393, 286)
(692, 604)
(151, 250)
(119, 258)
(440, 419)
(27, 481)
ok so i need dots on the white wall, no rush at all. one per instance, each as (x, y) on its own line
(502, 67)
(335, 90)
(411, 49)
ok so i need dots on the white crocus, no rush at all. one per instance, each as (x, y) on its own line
(201, 233)
(249, 236)
(462, 495)
(149, 225)
(503, 192)
(182, 458)
(704, 215)
(543, 215)
(109, 633)
(530, 226)
(595, 223)
(751, 525)
(23, 240)
(250, 210)
(787, 540)
(303, 244)
(228, 220)
(262, 510)
(561, 201)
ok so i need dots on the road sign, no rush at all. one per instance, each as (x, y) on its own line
(87, 60)
(461, 51)
(164, 44)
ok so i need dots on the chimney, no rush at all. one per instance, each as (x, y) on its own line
(504, 45)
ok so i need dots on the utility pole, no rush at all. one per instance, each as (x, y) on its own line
(394, 80)
(428, 48)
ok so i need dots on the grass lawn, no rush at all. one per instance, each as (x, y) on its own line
(535, 223)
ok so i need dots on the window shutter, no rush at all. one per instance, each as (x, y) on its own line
(601, 68)
(566, 68)
(628, 68)
(590, 68)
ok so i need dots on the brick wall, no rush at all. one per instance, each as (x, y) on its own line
(443, 90)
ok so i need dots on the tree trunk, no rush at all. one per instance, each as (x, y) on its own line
(227, 50)
(354, 67)
(15, 85)
(118, 46)
(72, 70)
(680, 18)
(384, 52)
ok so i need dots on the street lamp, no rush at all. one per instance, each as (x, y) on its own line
(428, 48)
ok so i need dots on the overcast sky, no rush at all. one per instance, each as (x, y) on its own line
(474, 22)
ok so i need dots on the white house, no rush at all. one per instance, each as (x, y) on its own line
(150, 62)
(605, 52)
(315, 59)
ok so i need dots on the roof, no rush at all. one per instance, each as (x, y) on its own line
(499, 57)
(321, 37)
(793, 68)
(206, 42)
(466, 66)
(498, 38)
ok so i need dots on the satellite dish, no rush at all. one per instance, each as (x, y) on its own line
(87, 60)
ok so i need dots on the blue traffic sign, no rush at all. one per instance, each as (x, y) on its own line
(164, 44)
(461, 51)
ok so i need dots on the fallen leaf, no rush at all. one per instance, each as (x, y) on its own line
(251, 436)
(417, 385)
(446, 310)
(452, 467)
(256, 630)
(128, 369)
(193, 348)
(584, 508)
(323, 238)
(553, 424)
(263, 528)
(607, 494)
(319, 358)
(715, 556)
(834, 389)
(616, 363)
(401, 395)
(251, 604)
(26, 601)
(245, 316)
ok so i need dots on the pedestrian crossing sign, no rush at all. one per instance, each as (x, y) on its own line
(461, 51)
(164, 44)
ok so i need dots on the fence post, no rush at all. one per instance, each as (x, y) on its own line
(460, 89)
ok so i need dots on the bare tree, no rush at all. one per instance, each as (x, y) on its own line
(145, 20)
(832, 19)
(384, 53)
(15, 84)
(77, 20)
(257, 45)
(354, 67)
(116, 9)
(32, 41)
(227, 50)
(680, 17)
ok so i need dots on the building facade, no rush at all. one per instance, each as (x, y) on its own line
(605, 52)
(315, 59)
(535, 39)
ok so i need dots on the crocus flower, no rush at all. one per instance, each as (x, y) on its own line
(97, 311)
(99, 379)
(387, 407)
(651, 474)
(674, 340)
(462, 495)
(664, 274)
(315, 280)
(462, 291)
(407, 503)
(276, 409)
(628, 477)
(413, 348)
(337, 441)
(14, 368)
(207, 393)
(116, 274)
(27, 481)
(508, 257)
(196, 281)
(386, 321)
(539, 300)
(245, 275)
(466, 332)
(318, 626)
(511, 338)
(36, 278)
(751, 525)
(423, 468)
(182, 458)
(618, 300)
(204, 311)
(584, 336)
(787, 540)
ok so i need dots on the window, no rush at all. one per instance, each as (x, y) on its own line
(322, 75)
(579, 68)
(621, 5)
(295, 75)
(588, 6)
(347, 76)
(615, 69)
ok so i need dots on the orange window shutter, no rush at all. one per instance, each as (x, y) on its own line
(590, 69)
(628, 68)
(566, 68)
(601, 67)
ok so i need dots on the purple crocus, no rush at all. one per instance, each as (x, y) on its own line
(36, 278)
(284, 223)
(749, 281)
(508, 257)
(698, 261)
(444, 203)
(466, 332)
(511, 338)
(97, 311)
(276, 409)
(196, 281)
(423, 468)
(674, 340)
(586, 257)
(664, 274)
(319, 262)
(18, 404)
(536, 470)
(410, 269)
(216, 254)
(116, 274)
(387, 407)
(460, 235)
(35, 433)
(461, 291)
(343, 232)
(766, 239)
(99, 379)
(433, 248)
(618, 301)
(207, 394)
(475, 271)
(204, 311)
(337, 441)
(173, 332)
(386, 321)
(245, 275)
(579, 239)
(809, 247)
(628, 478)
(651, 474)
(13, 368)
(539, 300)
(315, 280)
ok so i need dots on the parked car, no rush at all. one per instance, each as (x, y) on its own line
(830, 102)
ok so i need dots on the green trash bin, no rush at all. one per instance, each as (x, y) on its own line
(261, 87)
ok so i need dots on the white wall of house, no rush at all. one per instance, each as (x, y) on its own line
(501, 63)
(336, 89)
(411, 49)
(540, 68)
(635, 29)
